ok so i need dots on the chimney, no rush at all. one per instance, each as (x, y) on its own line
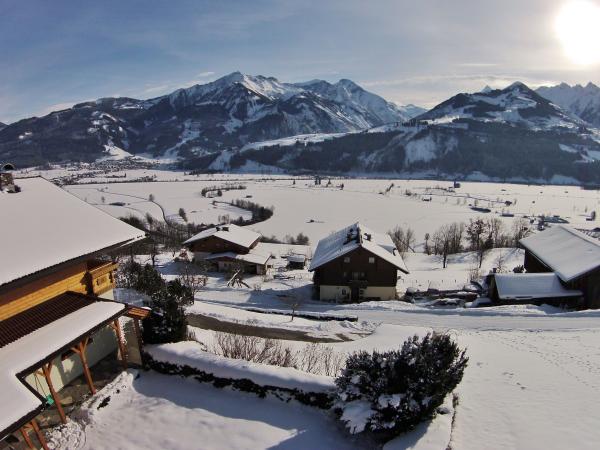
(6, 178)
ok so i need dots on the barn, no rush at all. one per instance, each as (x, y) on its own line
(356, 264)
(570, 254)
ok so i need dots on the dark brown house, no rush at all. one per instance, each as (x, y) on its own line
(356, 264)
(227, 246)
(573, 256)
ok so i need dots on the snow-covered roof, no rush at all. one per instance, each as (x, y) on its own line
(251, 257)
(228, 232)
(18, 401)
(353, 237)
(565, 250)
(523, 286)
(43, 226)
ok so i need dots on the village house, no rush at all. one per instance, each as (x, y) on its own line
(57, 313)
(226, 247)
(356, 264)
(563, 267)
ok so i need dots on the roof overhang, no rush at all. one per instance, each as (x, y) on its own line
(29, 401)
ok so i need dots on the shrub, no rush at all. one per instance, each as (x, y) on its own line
(391, 392)
(167, 322)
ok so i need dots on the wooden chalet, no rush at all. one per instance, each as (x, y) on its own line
(356, 264)
(229, 246)
(57, 315)
(570, 254)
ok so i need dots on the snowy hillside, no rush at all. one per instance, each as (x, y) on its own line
(584, 101)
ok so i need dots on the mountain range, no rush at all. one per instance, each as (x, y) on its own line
(227, 113)
(241, 122)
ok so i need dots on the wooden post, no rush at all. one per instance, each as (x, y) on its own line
(39, 434)
(80, 350)
(120, 342)
(26, 438)
(138, 336)
(46, 368)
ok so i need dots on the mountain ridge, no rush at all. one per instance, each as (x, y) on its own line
(229, 112)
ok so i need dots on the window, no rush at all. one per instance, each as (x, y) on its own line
(371, 260)
(346, 259)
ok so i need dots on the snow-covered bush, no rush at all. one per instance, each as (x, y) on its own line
(389, 393)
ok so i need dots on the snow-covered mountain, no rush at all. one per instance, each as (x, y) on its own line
(230, 112)
(584, 101)
(516, 104)
(505, 134)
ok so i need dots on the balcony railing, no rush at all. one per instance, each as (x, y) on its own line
(101, 276)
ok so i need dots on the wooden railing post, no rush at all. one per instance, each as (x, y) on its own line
(80, 350)
(46, 369)
(122, 350)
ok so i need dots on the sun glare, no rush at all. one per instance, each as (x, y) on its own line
(578, 29)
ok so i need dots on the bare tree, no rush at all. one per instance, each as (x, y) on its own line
(520, 230)
(189, 277)
(441, 243)
(427, 249)
(404, 239)
(476, 231)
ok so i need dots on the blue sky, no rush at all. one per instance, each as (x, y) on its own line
(56, 53)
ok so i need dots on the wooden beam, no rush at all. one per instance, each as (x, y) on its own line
(80, 350)
(26, 438)
(39, 434)
(138, 336)
(46, 368)
(122, 350)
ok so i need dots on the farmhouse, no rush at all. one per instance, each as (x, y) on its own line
(228, 246)
(355, 264)
(571, 255)
(57, 316)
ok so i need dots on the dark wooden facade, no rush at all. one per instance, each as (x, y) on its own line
(357, 269)
(214, 244)
(588, 283)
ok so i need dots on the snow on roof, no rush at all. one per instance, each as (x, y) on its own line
(43, 225)
(515, 286)
(17, 400)
(353, 237)
(251, 257)
(228, 232)
(565, 250)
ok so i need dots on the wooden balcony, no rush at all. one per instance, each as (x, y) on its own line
(101, 276)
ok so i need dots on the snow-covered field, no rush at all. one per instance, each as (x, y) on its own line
(319, 210)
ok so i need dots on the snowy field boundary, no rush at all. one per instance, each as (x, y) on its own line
(188, 359)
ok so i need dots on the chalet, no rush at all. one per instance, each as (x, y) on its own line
(57, 315)
(571, 255)
(229, 246)
(356, 264)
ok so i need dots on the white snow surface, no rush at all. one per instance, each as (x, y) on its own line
(17, 399)
(565, 250)
(190, 353)
(157, 412)
(337, 244)
(44, 225)
(525, 286)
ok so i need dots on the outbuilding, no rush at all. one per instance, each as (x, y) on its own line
(570, 254)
